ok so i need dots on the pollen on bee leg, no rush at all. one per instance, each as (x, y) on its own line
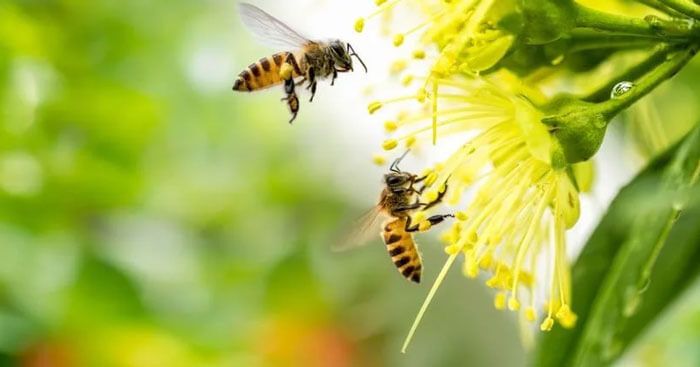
(424, 226)
(286, 71)
(419, 216)
(461, 215)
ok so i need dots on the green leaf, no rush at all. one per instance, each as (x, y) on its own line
(643, 254)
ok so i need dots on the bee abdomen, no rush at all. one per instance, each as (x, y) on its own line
(265, 72)
(403, 251)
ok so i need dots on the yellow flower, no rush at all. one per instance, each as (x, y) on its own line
(463, 30)
(514, 227)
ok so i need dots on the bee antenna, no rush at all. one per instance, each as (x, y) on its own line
(395, 165)
(353, 53)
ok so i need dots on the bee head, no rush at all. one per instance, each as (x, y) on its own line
(342, 55)
(397, 180)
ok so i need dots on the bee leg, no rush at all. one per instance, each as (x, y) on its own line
(289, 86)
(410, 228)
(433, 219)
(311, 76)
(293, 103)
(414, 180)
(441, 194)
(335, 75)
(313, 91)
(292, 100)
(406, 208)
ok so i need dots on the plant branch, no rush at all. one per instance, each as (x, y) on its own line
(674, 62)
(686, 7)
(586, 39)
(651, 26)
(660, 6)
(603, 93)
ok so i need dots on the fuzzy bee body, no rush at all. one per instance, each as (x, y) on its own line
(311, 60)
(402, 248)
(265, 73)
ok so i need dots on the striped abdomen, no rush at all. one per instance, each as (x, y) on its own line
(402, 249)
(265, 72)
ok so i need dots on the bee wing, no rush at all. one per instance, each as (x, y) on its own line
(268, 29)
(363, 230)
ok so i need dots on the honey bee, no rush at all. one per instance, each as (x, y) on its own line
(306, 60)
(398, 200)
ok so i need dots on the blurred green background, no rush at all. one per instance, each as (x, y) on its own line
(151, 217)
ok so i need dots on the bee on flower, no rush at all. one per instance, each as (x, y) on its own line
(514, 226)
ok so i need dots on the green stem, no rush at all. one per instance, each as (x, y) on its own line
(660, 6)
(633, 73)
(583, 40)
(648, 82)
(686, 7)
(651, 27)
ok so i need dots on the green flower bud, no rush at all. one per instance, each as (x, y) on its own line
(578, 127)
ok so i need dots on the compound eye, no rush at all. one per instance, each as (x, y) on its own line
(394, 180)
(338, 49)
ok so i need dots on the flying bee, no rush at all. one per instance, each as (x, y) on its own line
(398, 200)
(305, 61)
